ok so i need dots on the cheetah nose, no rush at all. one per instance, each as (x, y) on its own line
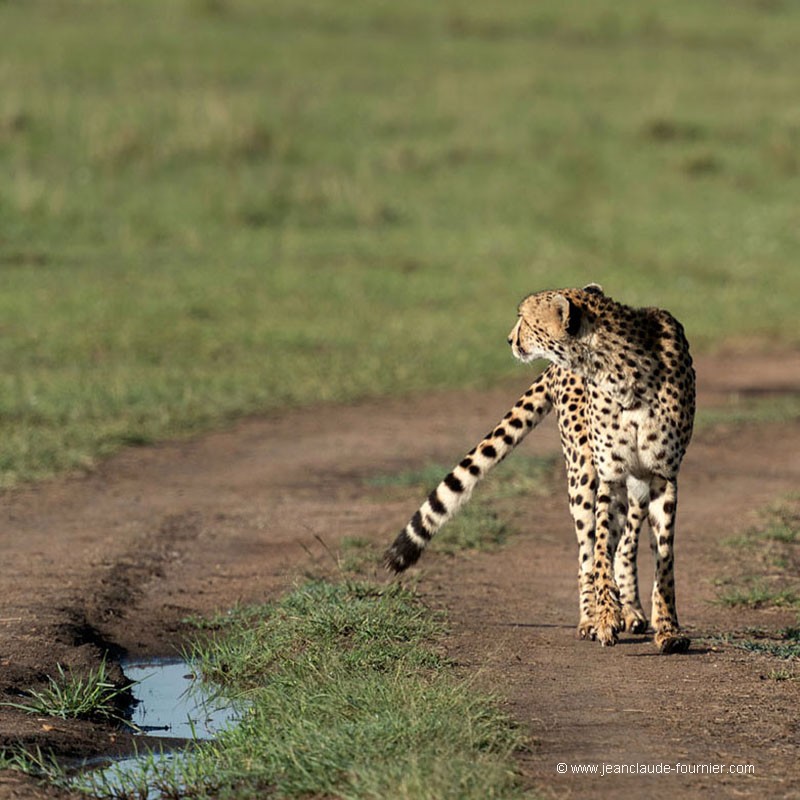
(510, 339)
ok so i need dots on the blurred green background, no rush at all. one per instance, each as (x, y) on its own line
(217, 207)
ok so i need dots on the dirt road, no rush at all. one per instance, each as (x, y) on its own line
(116, 559)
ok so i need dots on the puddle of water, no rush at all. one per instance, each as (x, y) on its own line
(134, 776)
(172, 703)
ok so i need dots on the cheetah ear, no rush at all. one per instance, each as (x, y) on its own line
(570, 314)
(593, 288)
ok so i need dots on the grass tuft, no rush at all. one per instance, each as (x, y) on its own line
(369, 626)
(82, 696)
(33, 762)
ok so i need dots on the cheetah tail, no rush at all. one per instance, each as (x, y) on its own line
(445, 500)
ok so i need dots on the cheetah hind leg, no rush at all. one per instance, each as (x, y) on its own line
(630, 518)
(668, 638)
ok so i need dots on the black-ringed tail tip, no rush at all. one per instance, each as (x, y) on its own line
(403, 553)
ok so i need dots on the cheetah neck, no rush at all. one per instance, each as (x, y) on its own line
(595, 358)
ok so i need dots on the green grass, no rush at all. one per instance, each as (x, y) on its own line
(428, 475)
(89, 695)
(356, 556)
(759, 595)
(785, 645)
(517, 475)
(764, 572)
(783, 675)
(368, 624)
(747, 412)
(217, 207)
(477, 527)
(781, 646)
(33, 762)
(783, 522)
(349, 696)
(777, 530)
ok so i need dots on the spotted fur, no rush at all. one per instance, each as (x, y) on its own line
(623, 387)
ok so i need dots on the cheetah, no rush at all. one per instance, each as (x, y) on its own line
(622, 385)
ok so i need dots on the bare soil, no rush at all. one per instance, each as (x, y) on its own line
(116, 560)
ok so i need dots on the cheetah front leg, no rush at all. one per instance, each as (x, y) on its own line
(663, 505)
(586, 592)
(582, 487)
(608, 614)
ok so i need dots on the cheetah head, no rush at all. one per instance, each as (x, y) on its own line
(550, 324)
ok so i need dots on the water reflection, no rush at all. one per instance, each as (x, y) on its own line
(172, 703)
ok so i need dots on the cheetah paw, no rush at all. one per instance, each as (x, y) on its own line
(586, 629)
(633, 619)
(669, 642)
(608, 625)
